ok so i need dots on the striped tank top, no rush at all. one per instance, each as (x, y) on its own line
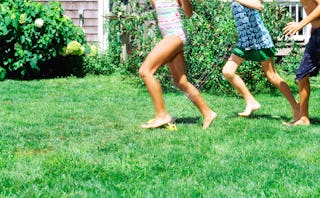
(169, 19)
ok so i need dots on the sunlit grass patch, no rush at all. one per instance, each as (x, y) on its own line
(75, 137)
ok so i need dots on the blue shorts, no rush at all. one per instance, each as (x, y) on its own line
(310, 63)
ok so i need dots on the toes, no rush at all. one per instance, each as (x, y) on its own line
(156, 123)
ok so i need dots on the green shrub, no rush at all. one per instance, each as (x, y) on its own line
(100, 64)
(211, 37)
(290, 63)
(34, 39)
(3, 73)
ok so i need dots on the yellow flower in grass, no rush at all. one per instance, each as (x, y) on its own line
(171, 127)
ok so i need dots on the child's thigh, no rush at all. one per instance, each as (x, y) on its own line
(164, 51)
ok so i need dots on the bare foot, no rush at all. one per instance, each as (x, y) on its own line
(300, 122)
(249, 109)
(157, 122)
(208, 119)
(289, 123)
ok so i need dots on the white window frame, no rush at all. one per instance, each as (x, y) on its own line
(104, 9)
(306, 31)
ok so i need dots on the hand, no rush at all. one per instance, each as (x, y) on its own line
(291, 28)
(186, 7)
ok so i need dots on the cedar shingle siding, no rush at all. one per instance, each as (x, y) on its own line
(90, 12)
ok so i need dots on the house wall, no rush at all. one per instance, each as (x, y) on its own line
(90, 11)
(94, 10)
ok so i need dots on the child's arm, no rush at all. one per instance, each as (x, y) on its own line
(294, 27)
(254, 4)
(153, 2)
(186, 7)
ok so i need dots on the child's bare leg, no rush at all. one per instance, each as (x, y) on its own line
(177, 67)
(277, 81)
(161, 54)
(304, 92)
(229, 72)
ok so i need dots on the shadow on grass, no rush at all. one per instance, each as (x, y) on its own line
(313, 121)
(261, 116)
(187, 120)
(269, 117)
(194, 120)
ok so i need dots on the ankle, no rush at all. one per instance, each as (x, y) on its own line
(305, 119)
(252, 102)
(163, 115)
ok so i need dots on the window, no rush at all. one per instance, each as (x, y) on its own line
(298, 13)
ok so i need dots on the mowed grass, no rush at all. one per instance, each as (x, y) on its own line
(75, 137)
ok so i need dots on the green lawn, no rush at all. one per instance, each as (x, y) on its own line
(74, 137)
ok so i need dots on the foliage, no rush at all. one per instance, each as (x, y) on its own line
(290, 63)
(34, 36)
(133, 25)
(212, 35)
(101, 64)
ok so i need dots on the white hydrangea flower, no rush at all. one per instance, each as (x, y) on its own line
(93, 50)
(38, 22)
(74, 48)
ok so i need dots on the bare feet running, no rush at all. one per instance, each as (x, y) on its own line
(289, 123)
(300, 122)
(208, 119)
(249, 109)
(157, 122)
(296, 117)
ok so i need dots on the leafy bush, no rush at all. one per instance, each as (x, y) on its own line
(212, 35)
(290, 63)
(34, 39)
(100, 64)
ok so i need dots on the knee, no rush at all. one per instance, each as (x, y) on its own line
(273, 78)
(181, 84)
(227, 73)
(143, 73)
